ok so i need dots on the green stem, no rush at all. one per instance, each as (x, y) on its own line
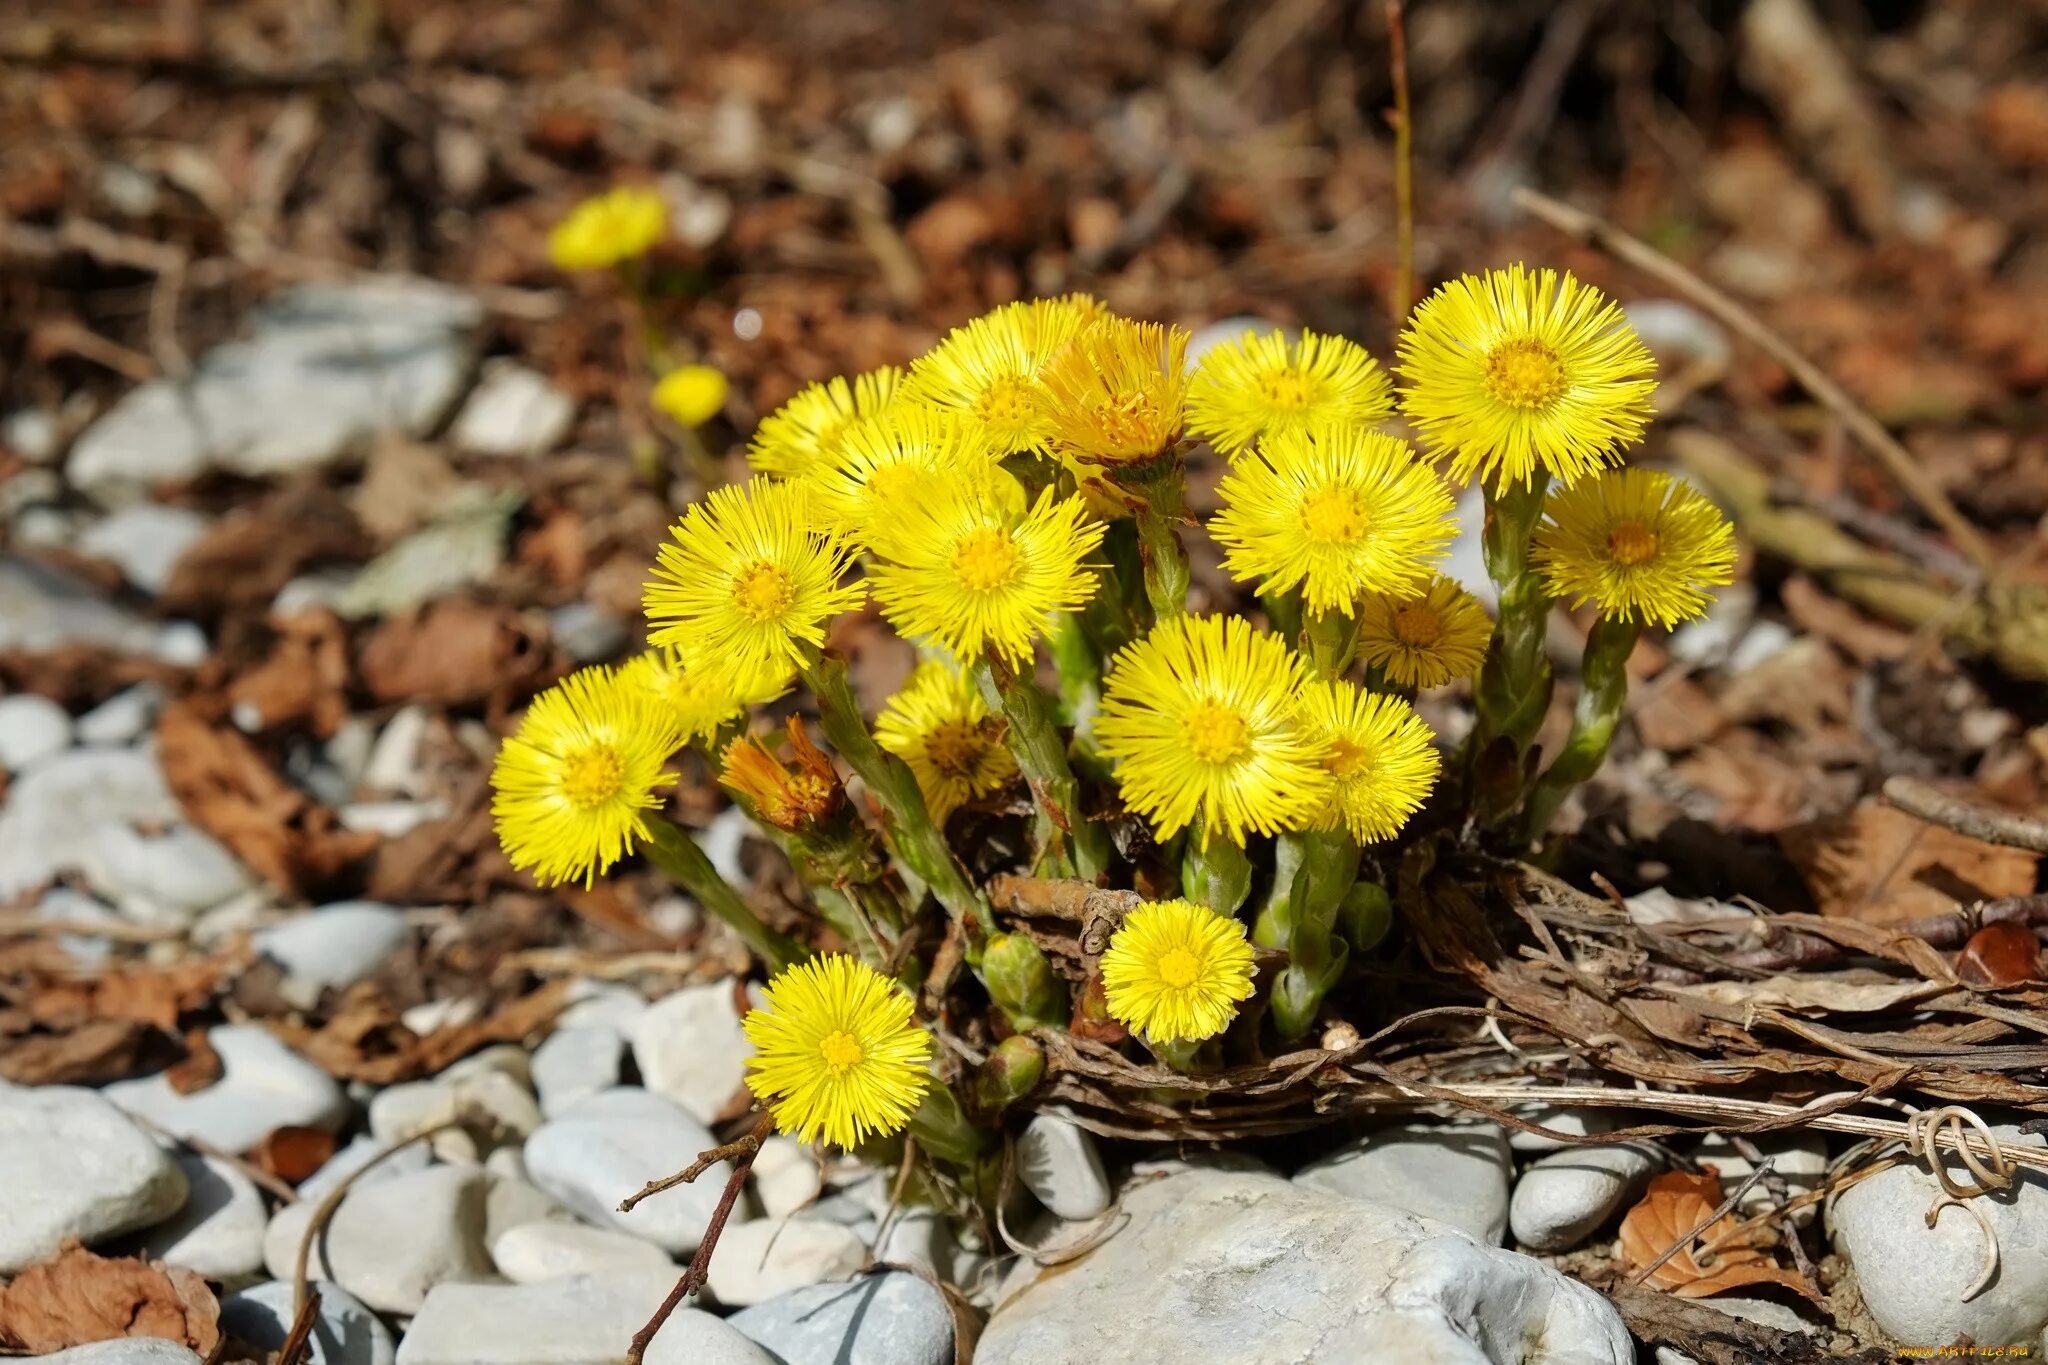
(1327, 640)
(1283, 613)
(1216, 874)
(1079, 670)
(1166, 559)
(1315, 956)
(677, 855)
(1514, 682)
(1042, 755)
(1276, 917)
(1366, 916)
(1603, 689)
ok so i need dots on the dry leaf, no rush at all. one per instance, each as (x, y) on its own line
(1883, 866)
(246, 556)
(78, 1297)
(85, 1052)
(458, 651)
(365, 1041)
(292, 1153)
(198, 1068)
(305, 678)
(1675, 1204)
(152, 995)
(2001, 954)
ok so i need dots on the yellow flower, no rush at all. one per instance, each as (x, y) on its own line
(1379, 753)
(1639, 545)
(960, 565)
(1516, 371)
(837, 1054)
(1247, 390)
(1425, 640)
(1175, 971)
(1335, 511)
(608, 228)
(1116, 394)
(941, 728)
(699, 698)
(888, 461)
(570, 787)
(804, 434)
(1200, 720)
(988, 370)
(747, 582)
(792, 799)
(691, 395)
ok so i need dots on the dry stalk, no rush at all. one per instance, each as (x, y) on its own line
(324, 1211)
(742, 1153)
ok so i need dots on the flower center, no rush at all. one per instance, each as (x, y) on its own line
(1525, 373)
(1344, 758)
(1178, 969)
(594, 776)
(762, 591)
(1289, 389)
(841, 1051)
(1129, 425)
(1215, 734)
(1631, 543)
(1333, 515)
(954, 748)
(1416, 625)
(985, 559)
(1006, 404)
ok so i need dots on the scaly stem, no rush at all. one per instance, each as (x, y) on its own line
(1166, 563)
(1216, 874)
(1283, 613)
(1327, 640)
(1514, 682)
(1315, 956)
(1041, 754)
(677, 855)
(1603, 689)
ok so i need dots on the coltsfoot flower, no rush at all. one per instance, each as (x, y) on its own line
(890, 460)
(1378, 753)
(837, 1053)
(615, 226)
(1261, 384)
(1639, 545)
(940, 726)
(1425, 640)
(1516, 371)
(691, 395)
(748, 581)
(988, 370)
(1175, 971)
(1116, 395)
(1200, 720)
(1336, 511)
(804, 434)
(959, 565)
(699, 699)
(571, 787)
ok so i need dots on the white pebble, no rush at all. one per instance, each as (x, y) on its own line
(32, 728)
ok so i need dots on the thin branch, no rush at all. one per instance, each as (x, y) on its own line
(1936, 807)
(301, 1290)
(743, 1151)
(298, 1342)
(1727, 1206)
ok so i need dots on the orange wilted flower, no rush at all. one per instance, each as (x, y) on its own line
(790, 798)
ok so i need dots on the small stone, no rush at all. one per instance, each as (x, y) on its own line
(42, 608)
(391, 1241)
(610, 1146)
(1456, 1173)
(514, 411)
(493, 1108)
(60, 904)
(786, 1177)
(515, 1201)
(166, 876)
(125, 1351)
(1578, 1122)
(575, 1063)
(345, 1331)
(394, 761)
(587, 632)
(466, 545)
(1466, 563)
(354, 1157)
(602, 1004)
(919, 1237)
(76, 1167)
(1564, 1197)
(264, 1085)
(121, 719)
(757, 1261)
(32, 728)
(891, 1318)
(545, 1250)
(1058, 1162)
(335, 945)
(1801, 1161)
(391, 819)
(58, 815)
(219, 1232)
(145, 541)
(580, 1320)
(691, 1050)
(31, 433)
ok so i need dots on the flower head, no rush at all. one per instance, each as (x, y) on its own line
(1427, 639)
(1247, 390)
(691, 395)
(959, 565)
(1116, 394)
(1175, 971)
(1516, 371)
(747, 581)
(1335, 511)
(789, 798)
(888, 460)
(697, 698)
(1638, 544)
(1378, 753)
(941, 728)
(570, 788)
(615, 226)
(804, 434)
(837, 1054)
(988, 370)
(1200, 720)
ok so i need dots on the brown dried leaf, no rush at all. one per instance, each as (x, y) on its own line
(198, 1068)
(365, 1040)
(2001, 954)
(1675, 1204)
(78, 1297)
(246, 556)
(305, 678)
(151, 995)
(1883, 866)
(292, 1153)
(457, 651)
(86, 1052)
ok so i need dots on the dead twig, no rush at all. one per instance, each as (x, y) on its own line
(1727, 1206)
(742, 1153)
(325, 1209)
(298, 1342)
(1936, 807)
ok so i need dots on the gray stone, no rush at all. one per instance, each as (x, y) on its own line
(62, 905)
(125, 1351)
(345, 1331)
(493, 1108)
(605, 1003)
(1913, 1276)
(42, 608)
(546, 1249)
(359, 1153)
(1456, 1173)
(32, 728)
(587, 632)
(513, 410)
(393, 763)
(920, 1237)
(465, 545)
(144, 541)
(575, 1063)
(32, 433)
(335, 945)
(891, 1318)
(1800, 1160)
(614, 1143)
(1578, 1122)
(390, 819)
(326, 368)
(264, 1085)
(579, 1320)
(76, 1167)
(166, 876)
(785, 1176)
(1563, 1198)
(1058, 1162)
(757, 1261)
(516, 1202)
(58, 814)
(691, 1051)
(123, 718)
(1246, 1268)
(391, 1241)
(219, 1232)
